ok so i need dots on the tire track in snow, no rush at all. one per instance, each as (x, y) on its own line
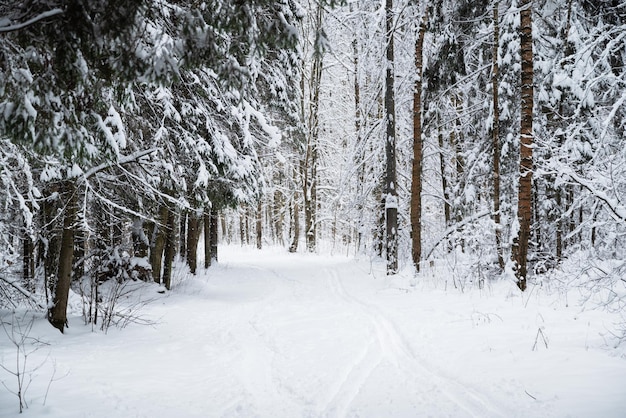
(395, 348)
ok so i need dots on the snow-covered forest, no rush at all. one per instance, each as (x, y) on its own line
(464, 146)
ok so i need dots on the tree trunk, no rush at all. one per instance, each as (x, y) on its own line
(495, 132)
(207, 239)
(379, 231)
(416, 172)
(138, 236)
(524, 209)
(278, 217)
(79, 251)
(359, 158)
(310, 176)
(391, 195)
(49, 242)
(57, 314)
(259, 225)
(213, 233)
(295, 222)
(226, 229)
(170, 249)
(247, 219)
(193, 236)
(455, 144)
(242, 229)
(183, 234)
(158, 243)
(444, 179)
(28, 261)
(560, 225)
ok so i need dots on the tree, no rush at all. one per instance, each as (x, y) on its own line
(416, 177)
(495, 133)
(391, 194)
(524, 207)
(74, 69)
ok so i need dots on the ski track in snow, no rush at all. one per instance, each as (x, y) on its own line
(393, 346)
(386, 348)
(264, 335)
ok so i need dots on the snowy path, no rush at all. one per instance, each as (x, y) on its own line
(276, 335)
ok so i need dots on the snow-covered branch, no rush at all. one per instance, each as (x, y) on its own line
(125, 160)
(24, 292)
(6, 26)
(611, 204)
(455, 228)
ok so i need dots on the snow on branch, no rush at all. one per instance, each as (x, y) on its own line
(6, 26)
(455, 228)
(23, 291)
(613, 205)
(124, 160)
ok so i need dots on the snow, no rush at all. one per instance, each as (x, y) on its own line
(391, 201)
(271, 334)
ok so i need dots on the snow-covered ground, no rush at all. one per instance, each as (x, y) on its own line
(271, 334)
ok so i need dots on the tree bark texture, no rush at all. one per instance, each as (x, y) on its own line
(310, 176)
(495, 132)
(79, 249)
(28, 261)
(57, 314)
(416, 170)
(183, 234)
(213, 234)
(242, 230)
(391, 197)
(295, 226)
(170, 249)
(444, 179)
(259, 225)
(279, 203)
(560, 227)
(524, 209)
(194, 224)
(158, 243)
(50, 241)
(207, 239)
(226, 229)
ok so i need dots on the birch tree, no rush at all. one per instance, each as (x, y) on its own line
(391, 194)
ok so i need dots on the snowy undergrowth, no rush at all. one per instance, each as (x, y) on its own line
(272, 334)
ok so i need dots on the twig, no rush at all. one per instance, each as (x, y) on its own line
(525, 391)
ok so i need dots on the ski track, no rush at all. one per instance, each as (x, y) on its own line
(308, 337)
(395, 348)
(387, 347)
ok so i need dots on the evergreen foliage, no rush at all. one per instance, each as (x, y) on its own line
(126, 125)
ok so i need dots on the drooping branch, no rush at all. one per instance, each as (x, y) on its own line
(19, 26)
(612, 205)
(454, 228)
(23, 291)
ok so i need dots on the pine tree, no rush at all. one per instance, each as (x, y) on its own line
(524, 209)
(416, 178)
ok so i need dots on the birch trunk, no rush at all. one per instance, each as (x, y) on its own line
(391, 194)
